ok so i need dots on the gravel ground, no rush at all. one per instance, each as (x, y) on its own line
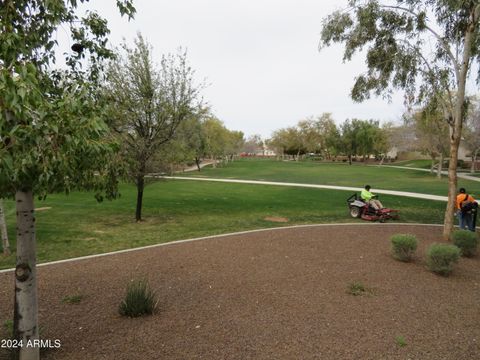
(266, 295)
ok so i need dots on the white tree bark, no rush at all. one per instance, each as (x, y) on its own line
(3, 230)
(474, 161)
(26, 303)
(440, 166)
(456, 127)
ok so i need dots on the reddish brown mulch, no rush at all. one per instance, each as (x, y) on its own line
(267, 295)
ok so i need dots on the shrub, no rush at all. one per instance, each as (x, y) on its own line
(400, 340)
(357, 288)
(73, 299)
(139, 300)
(403, 246)
(440, 258)
(466, 240)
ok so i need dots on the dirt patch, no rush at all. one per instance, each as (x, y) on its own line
(43, 208)
(265, 295)
(276, 219)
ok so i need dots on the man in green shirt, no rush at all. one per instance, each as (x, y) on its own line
(369, 198)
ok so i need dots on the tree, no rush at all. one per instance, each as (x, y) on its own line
(52, 134)
(148, 104)
(215, 138)
(252, 144)
(312, 138)
(278, 142)
(3, 230)
(348, 140)
(328, 134)
(472, 133)
(432, 134)
(397, 36)
(235, 143)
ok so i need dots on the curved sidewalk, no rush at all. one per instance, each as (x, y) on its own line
(460, 175)
(314, 186)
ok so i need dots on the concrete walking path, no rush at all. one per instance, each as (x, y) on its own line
(460, 175)
(314, 186)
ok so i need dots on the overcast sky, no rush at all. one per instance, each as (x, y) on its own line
(259, 57)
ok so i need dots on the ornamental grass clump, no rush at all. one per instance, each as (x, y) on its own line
(466, 240)
(139, 300)
(403, 246)
(441, 257)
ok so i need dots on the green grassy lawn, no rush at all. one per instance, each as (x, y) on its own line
(419, 163)
(426, 164)
(76, 225)
(336, 174)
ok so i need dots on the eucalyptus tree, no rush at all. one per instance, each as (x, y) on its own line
(426, 47)
(148, 104)
(52, 136)
(432, 134)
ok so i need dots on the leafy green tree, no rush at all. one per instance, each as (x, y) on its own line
(216, 138)
(311, 135)
(52, 134)
(425, 47)
(432, 134)
(278, 142)
(252, 144)
(347, 143)
(148, 104)
(235, 143)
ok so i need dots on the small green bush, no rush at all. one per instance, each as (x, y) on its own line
(440, 258)
(8, 327)
(72, 299)
(400, 341)
(357, 288)
(466, 240)
(403, 246)
(139, 300)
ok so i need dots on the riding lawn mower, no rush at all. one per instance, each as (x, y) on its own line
(360, 209)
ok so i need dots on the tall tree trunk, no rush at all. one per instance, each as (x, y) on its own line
(440, 166)
(432, 165)
(456, 129)
(473, 167)
(25, 316)
(350, 159)
(3, 230)
(383, 158)
(197, 161)
(140, 187)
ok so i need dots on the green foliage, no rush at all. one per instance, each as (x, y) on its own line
(139, 300)
(393, 34)
(8, 328)
(466, 240)
(400, 341)
(52, 134)
(440, 258)
(147, 104)
(73, 299)
(357, 288)
(403, 246)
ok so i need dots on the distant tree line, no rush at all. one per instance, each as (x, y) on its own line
(323, 137)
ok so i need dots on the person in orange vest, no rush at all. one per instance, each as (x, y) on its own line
(466, 210)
